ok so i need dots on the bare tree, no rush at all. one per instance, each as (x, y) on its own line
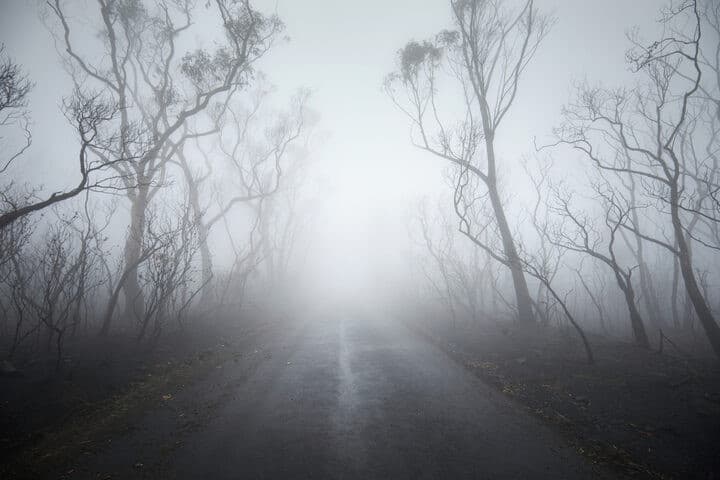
(487, 55)
(637, 245)
(247, 258)
(14, 245)
(137, 69)
(547, 258)
(281, 225)
(648, 132)
(441, 252)
(170, 277)
(90, 115)
(51, 282)
(255, 147)
(464, 279)
(577, 233)
(14, 90)
(595, 292)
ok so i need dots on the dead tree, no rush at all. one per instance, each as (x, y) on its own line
(469, 272)
(280, 229)
(487, 55)
(441, 252)
(89, 114)
(255, 148)
(531, 267)
(14, 246)
(194, 181)
(247, 257)
(651, 125)
(53, 280)
(170, 277)
(138, 68)
(595, 292)
(547, 258)
(638, 248)
(575, 232)
(464, 278)
(14, 90)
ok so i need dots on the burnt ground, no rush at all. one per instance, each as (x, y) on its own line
(648, 414)
(48, 417)
(354, 395)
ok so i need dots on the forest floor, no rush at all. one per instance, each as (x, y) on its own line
(48, 418)
(336, 394)
(648, 414)
(357, 396)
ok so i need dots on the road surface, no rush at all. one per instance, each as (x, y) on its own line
(340, 397)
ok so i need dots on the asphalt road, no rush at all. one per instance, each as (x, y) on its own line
(341, 397)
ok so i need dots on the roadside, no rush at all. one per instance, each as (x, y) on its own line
(271, 393)
(48, 421)
(645, 414)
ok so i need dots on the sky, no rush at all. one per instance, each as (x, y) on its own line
(371, 175)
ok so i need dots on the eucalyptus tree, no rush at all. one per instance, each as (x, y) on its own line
(91, 116)
(580, 232)
(253, 146)
(15, 86)
(663, 133)
(486, 55)
(158, 84)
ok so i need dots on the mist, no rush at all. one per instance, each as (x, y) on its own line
(322, 239)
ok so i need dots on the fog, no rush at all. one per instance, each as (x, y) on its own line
(522, 185)
(364, 173)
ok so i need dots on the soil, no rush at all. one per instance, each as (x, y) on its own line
(649, 414)
(338, 395)
(349, 396)
(48, 417)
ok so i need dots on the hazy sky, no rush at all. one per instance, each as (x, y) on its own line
(342, 50)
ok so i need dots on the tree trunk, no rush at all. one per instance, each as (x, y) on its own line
(636, 322)
(649, 297)
(646, 286)
(522, 294)
(571, 319)
(675, 288)
(134, 299)
(206, 263)
(110, 310)
(704, 314)
(687, 316)
(268, 252)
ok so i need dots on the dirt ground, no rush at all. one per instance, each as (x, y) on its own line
(47, 417)
(639, 413)
(351, 395)
(651, 415)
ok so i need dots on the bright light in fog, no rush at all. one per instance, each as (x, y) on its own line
(359, 234)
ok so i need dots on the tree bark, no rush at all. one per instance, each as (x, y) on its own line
(636, 321)
(522, 293)
(206, 263)
(704, 314)
(134, 299)
(646, 286)
(674, 292)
